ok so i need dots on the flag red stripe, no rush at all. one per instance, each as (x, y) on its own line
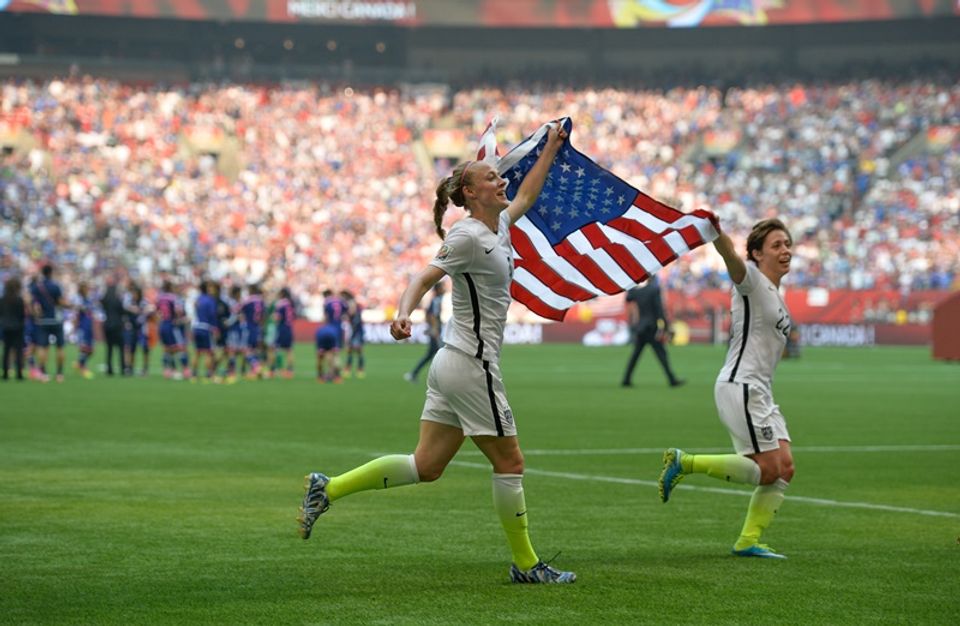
(554, 281)
(692, 236)
(656, 208)
(633, 228)
(532, 262)
(653, 241)
(535, 304)
(617, 251)
(587, 267)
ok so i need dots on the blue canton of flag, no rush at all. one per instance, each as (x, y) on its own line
(577, 192)
(589, 233)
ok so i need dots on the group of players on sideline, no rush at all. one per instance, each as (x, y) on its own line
(235, 331)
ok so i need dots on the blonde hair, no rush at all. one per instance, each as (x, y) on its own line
(449, 190)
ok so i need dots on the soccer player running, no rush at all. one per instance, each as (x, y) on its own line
(465, 394)
(743, 391)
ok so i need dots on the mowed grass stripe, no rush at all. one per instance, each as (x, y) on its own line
(150, 501)
(729, 492)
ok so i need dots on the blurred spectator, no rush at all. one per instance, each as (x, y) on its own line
(312, 187)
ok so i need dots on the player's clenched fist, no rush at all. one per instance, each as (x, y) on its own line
(400, 328)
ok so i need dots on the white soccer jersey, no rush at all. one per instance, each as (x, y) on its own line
(758, 331)
(480, 264)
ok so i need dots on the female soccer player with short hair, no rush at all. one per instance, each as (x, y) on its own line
(465, 393)
(744, 389)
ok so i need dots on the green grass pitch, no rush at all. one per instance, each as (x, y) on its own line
(151, 501)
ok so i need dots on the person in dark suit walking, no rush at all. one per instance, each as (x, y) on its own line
(648, 325)
(13, 314)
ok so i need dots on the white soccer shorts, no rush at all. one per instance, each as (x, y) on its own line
(467, 393)
(753, 420)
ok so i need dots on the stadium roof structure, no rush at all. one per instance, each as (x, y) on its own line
(453, 41)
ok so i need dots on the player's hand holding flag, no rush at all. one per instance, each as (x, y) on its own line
(589, 232)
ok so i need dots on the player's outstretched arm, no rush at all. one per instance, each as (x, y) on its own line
(533, 182)
(736, 267)
(423, 282)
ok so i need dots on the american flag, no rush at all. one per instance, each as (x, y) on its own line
(589, 233)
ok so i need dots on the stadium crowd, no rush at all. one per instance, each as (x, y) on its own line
(316, 188)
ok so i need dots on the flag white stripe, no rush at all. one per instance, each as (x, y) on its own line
(603, 260)
(522, 149)
(657, 225)
(540, 291)
(640, 252)
(488, 142)
(557, 263)
(677, 243)
(706, 230)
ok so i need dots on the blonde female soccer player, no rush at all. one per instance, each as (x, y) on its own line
(744, 389)
(465, 393)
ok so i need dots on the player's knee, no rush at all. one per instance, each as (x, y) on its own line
(510, 466)
(429, 473)
(769, 469)
(768, 475)
(786, 471)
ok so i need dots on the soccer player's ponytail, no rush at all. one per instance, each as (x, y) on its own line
(440, 206)
(449, 190)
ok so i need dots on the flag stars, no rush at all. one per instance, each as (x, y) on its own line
(591, 205)
(565, 167)
(543, 210)
(608, 191)
(555, 226)
(621, 199)
(574, 212)
(580, 172)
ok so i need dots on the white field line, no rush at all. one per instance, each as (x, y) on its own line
(729, 492)
(796, 449)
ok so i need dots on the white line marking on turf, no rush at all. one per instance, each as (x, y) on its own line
(731, 492)
(798, 449)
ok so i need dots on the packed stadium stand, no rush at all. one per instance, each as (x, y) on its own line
(177, 168)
